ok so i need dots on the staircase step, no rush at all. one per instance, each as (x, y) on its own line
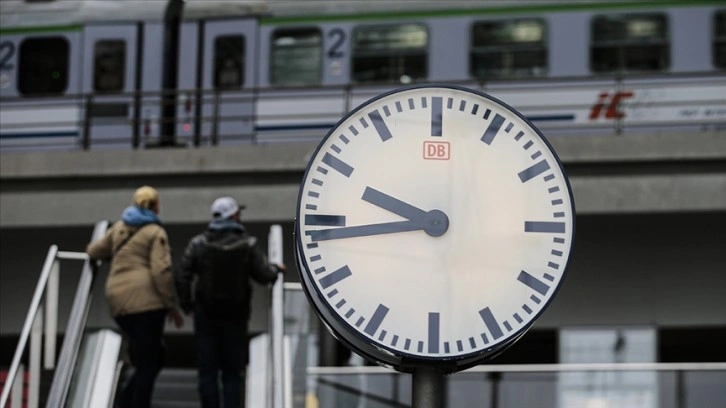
(176, 387)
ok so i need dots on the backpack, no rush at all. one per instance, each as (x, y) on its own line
(225, 285)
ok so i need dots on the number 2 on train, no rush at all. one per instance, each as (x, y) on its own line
(7, 50)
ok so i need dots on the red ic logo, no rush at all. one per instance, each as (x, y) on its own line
(436, 150)
(612, 109)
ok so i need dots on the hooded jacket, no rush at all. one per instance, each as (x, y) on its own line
(140, 278)
(194, 262)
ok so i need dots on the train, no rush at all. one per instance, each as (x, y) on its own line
(98, 74)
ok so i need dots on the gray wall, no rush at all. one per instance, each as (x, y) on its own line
(662, 269)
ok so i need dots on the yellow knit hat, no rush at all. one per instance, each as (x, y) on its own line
(145, 196)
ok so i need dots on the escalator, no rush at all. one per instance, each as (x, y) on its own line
(86, 371)
(89, 365)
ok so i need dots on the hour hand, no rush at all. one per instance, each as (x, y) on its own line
(393, 205)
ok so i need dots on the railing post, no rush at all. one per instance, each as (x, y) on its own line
(215, 119)
(36, 337)
(16, 392)
(86, 138)
(51, 315)
(275, 255)
(29, 320)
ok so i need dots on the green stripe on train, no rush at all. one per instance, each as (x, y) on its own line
(400, 14)
(41, 29)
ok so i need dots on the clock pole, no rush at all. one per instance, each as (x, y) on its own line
(428, 388)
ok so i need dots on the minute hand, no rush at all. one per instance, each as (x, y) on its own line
(364, 230)
(393, 205)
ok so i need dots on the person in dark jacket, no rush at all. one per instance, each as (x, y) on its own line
(222, 259)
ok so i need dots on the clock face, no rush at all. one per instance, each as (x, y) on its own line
(434, 225)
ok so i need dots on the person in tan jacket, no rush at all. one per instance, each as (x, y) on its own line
(139, 290)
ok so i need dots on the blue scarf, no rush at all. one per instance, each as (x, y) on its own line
(225, 224)
(137, 216)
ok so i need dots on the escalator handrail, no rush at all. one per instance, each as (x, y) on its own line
(25, 332)
(74, 329)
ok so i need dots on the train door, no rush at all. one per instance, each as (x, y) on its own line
(229, 80)
(109, 82)
(39, 81)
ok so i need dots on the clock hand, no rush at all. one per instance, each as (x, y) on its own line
(393, 205)
(364, 230)
(435, 223)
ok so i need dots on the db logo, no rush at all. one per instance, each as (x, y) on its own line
(436, 150)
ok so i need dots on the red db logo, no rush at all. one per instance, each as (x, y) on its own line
(436, 150)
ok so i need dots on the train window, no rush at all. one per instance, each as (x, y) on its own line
(629, 42)
(229, 56)
(390, 53)
(719, 40)
(43, 66)
(109, 65)
(508, 49)
(296, 57)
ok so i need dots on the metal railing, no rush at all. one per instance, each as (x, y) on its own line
(642, 385)
(41, 325)
(261, 115)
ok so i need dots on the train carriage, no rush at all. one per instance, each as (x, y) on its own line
(92, 74)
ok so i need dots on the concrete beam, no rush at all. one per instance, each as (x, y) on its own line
(77, 188)
(294, 156)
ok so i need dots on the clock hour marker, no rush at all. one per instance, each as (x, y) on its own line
(433, 332)
(491, 322)
(321, 219)
(337, 164)
(380, 125)
(335, 277)
(436, 119)
(533, 171)
(493, 128)
(534, 283)
(376, 320)
(544, 226)
(459, 346)
(407, 344)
